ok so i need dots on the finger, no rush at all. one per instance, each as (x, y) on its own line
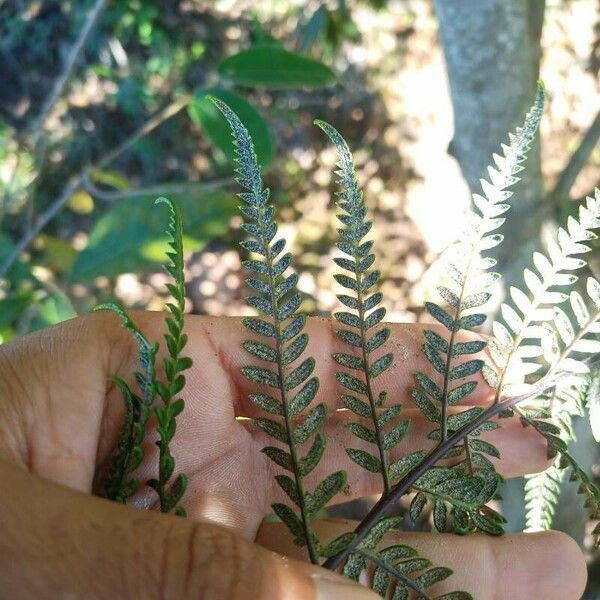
(545, 565)
(522, 451)
(57, 543)
(225, 337)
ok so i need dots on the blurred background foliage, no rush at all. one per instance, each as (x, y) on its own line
(103, 108)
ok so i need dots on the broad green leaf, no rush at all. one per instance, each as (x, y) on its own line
(273, 67)
(130, 236)
(214, 125)
(364, 459)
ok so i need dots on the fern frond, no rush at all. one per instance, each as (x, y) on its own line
(469, 270)
(399, 570)
(557, 445)
(543, 489)
(531, 316)
(170, 494)
(278, 300)
(360, 323)
(129, 452)
(146, 379)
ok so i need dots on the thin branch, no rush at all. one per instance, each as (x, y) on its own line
(160, 189)
(80, 179)
(74, 53)
(421, 595)
(577, 161)
(386, 503)
(150, 125)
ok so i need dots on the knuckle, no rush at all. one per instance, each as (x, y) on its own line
(206, 561)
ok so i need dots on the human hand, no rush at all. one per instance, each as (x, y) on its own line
(60, 418)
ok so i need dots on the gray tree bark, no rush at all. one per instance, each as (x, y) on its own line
(492, 51)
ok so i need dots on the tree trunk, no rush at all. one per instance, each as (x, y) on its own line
(492, 50)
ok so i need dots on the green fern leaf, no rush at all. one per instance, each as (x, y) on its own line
(284, 344)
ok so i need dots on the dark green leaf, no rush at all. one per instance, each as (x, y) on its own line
(326, 490)
(406, 464)
(473, 347)
(349, 361)
(288, 485)
(351, 382)
(364, 459)
(362, 409)
(267, 403)
(458, 420)
(260, 350)
(362, 432)
(470, 321)
(311, 423)
(273, 67)
(426, 405)
(465, 369)
(213, 124)
(483, 446)
(433, 576)
(289, 307)
(261, 376)
(429, 385)
(293, 329)
(388, 414)
(350, 337)
(417, 505)
(314, 455)
(439, 314)
(339, 544)
(299, 374)
(130, 237)
(380, 365)
(458, 393)
(279, 456)
(294, 350)
(293, 522)
(377, 339)
(259, 326)
(304, 397)
(374, 318)
(393, 437)
(272, 428)
(440, 515)
(436, 340)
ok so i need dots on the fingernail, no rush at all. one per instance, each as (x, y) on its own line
(340, 590)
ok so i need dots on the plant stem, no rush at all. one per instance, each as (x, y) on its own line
(80, 179)
(387, 502)
(289, 426)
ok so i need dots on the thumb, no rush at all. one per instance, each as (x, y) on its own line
(59, 543)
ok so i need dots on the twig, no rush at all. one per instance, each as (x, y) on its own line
(576, 162)
(160, 189)
(387, 502)
(80, 179)
(59, 85)
(150, 125)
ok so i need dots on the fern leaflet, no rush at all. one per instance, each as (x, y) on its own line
(278, 300)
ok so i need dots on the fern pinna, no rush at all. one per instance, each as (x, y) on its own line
(119, 484)
(397, 569)
(469, 290)
(365, 316)
(170, 494)
(278, 300)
